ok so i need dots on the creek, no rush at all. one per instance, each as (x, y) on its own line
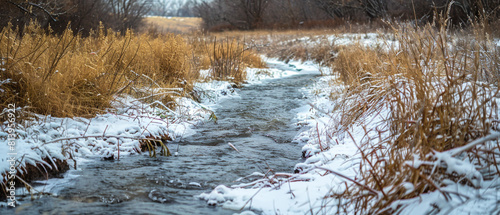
(260, 123)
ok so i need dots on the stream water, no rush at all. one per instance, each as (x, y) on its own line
(259, 123)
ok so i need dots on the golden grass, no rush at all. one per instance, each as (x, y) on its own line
(226, 58)
(68, 75)
(440, 93)
(72, 76)
(162, 25)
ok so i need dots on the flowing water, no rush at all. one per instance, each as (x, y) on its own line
(259, 123)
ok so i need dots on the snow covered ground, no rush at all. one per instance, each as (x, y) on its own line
(280, 193)
(287, 193)
(118, 132)
(307, 190)
(368, 40)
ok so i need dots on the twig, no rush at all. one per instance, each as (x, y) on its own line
(232, 146)
(98, 136)
(243, 207)
(118, 149)
(349, 179)
(43, 9)
(493, 136)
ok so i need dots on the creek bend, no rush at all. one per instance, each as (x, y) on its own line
(260, 123)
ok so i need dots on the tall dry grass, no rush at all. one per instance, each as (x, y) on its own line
(67, 75)
(436, 92)
(229, 58)
(226, 59)
(290, 44)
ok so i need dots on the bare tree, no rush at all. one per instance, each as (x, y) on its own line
(128, 13)
(335, 8)
(374, 8)
(245, 14)
(20, 12)
(212, 13)
(241, 14)
(250, 14)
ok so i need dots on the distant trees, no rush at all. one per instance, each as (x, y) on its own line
(251, 14)
(172, 8)
(246, 14)
(82, 15)
(127, 13)
(239, 14)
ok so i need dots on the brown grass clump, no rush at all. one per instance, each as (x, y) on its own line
(40, 171)
(226, 58)
(287, 45)
(303, 44)
(229, 58)
(43, 74)
(440, 94)
(69, 75)
(317, 48)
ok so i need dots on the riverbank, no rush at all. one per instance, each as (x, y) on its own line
(399, 127)
(127, 128)
(255, 120)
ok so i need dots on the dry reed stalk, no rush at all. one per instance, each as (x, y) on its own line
(439, 97)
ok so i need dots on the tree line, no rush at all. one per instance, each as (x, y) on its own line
(253, 14)
(83, 15)
(80, 15)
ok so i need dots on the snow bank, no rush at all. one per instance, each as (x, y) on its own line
(107, 135)
(368, 40)
(298, 193)
(332, 164)
(117, 133)
(374, 40)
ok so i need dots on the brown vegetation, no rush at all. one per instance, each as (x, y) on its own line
(70, 75)
(161, 25)
(41, 171)
(440, 91)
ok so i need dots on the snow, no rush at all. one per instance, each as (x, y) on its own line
(471, 201)
(374, 40)
(57, 138)
(118, 132)
(332, 162)
(305, 190)
(300, 192)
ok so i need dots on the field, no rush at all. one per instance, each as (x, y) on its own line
(171, 24)
(400, 114)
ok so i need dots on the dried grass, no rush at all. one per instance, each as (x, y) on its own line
(67, 75)
(226, 58)
(440, 93)
(162, 25)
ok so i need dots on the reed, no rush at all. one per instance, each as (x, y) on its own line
(436, 92)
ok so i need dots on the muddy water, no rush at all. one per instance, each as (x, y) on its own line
(259, 123)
